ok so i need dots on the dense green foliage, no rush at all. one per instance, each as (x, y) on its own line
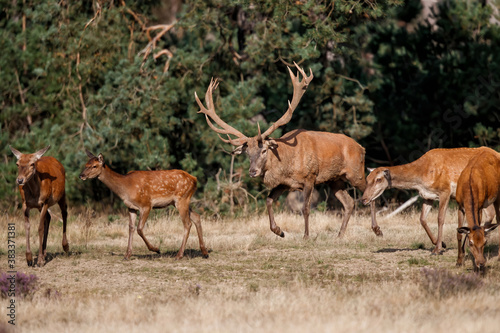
(80, 75)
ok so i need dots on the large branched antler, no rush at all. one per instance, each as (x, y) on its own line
(299, 88)
(210, 113)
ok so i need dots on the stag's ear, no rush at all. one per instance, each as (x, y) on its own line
(463, 230)
(89, 154)
(489, 228)
(239, 150)
(16, 152)
(271, 144)
(40, 153)
(370, 170)
(101, 159)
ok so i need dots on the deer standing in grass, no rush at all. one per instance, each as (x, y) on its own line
(298, 160)
(142, 191)
(41, 181)
(478, 187)
(434, 176)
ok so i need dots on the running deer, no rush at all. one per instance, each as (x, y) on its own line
(41, 181)
(298, 160)
(478, 187)
(434, 176)
(142, 191)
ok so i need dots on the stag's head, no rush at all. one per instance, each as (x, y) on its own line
(257, 148)
(376, 183)
(94, 166)
(477, 241)
(26, 164)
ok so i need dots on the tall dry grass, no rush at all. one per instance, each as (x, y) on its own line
(254, 280)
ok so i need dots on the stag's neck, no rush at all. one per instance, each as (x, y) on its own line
(114, 181)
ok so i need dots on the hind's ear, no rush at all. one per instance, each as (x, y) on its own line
(370, 170)
(89, 154)
(489, 228)
(40, 153)
(16, 152)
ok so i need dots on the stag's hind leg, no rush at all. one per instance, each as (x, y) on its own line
(338, 189)
(306, 209)
(197, 222)
(64, 212)
(274, 195)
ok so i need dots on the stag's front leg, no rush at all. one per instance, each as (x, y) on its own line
(29, 255)
(346, 201)
(274, 195)
(131, 228)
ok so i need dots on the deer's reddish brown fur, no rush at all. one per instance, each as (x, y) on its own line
(478, 187)
(41, 181)
(298, 160)
(434, 176)
(142, 191)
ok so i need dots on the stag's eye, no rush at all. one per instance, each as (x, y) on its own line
(263, 152)
(94, 167)
(379, 180)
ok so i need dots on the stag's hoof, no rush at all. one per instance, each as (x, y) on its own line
(66, 248)
(204, 256)
(29, 262)
(377, 231)
(443, 244)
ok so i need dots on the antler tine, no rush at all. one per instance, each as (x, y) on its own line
(209, 113)
(299, 88)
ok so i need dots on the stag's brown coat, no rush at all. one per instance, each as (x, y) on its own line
(299, 159)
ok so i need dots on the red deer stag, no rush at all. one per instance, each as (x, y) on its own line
(41, 181)
(298, 160)
(478, 187)
(434, 176)
(142, 191)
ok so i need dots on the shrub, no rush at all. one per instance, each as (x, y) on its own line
(442, 283)
(25, 286)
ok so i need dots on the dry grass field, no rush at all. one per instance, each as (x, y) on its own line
(253, 281)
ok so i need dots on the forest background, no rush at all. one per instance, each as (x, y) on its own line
(119, 77)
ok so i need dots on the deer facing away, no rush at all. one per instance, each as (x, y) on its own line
(478, 187)
(298, 160)
(41, 181)
(142, 191)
